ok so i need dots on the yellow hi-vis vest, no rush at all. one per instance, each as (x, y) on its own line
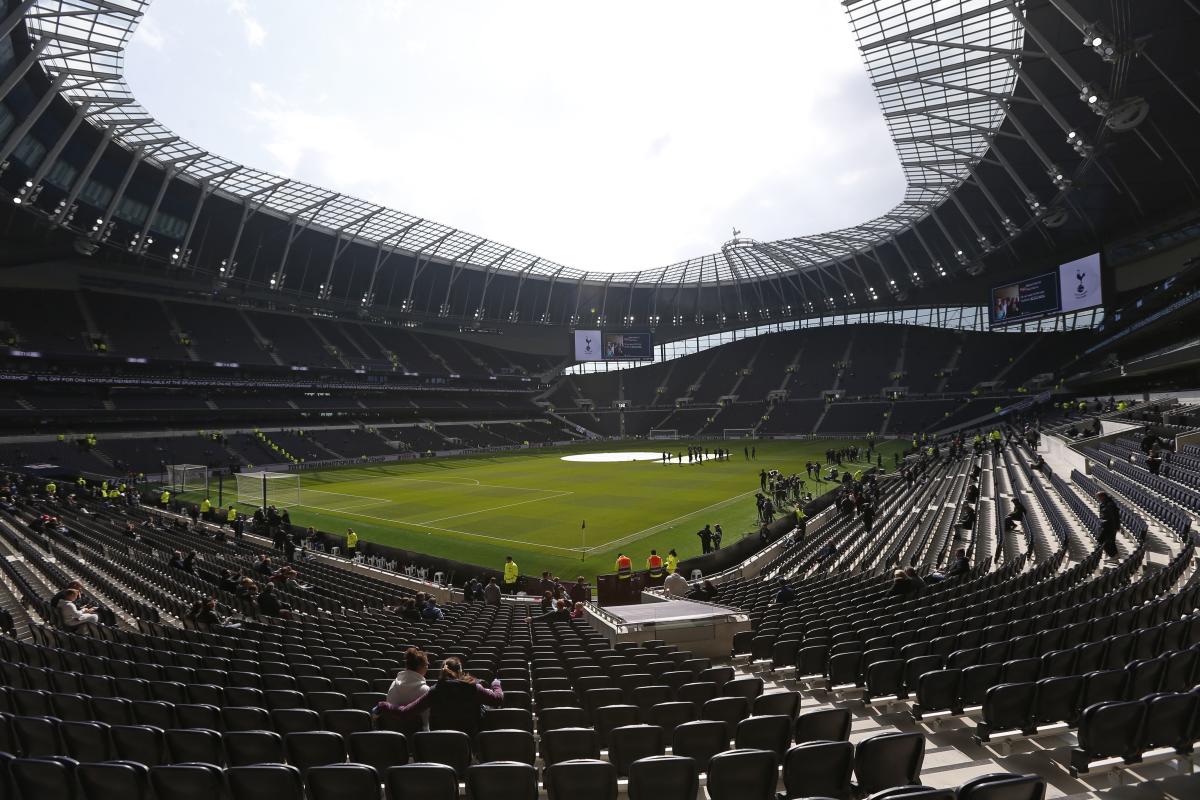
(672, 563)
(231, 515)
(351, 539)
(510, 572)
(205, 506)
(165, 497)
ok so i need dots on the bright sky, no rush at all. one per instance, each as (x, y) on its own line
(612, 136)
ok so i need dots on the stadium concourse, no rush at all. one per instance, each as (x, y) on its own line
(222, 390)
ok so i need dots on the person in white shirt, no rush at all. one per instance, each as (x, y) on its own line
(73, 616)
(676, 585)
(410, 682)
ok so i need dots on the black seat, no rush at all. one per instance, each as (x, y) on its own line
(294, 720)
(562, 717)
(568, 744)
(187, 781)
(307, 749)
(44, 777)
(818, 769)
(769, 732)
(245, 748)
(631, 742)
(86, 741)
(777, 703)
(506, 745)
(729, 710)
(502, 780)
(495, 719)
(276, 781)
(342, 782)
(1003, 786)
(1106, 730)
(888, 759)
(239, 718)
(697, 693)
(128, 780)
(744, 774)
(37, 736)
(1006, 707)
(824, 725)
(422, 782)
(663, 778)
(669, 716)
(346, 721)
(143, 743)
(187, 745)
(198, 716)
(452, 748)
(1169, 721)
(581, 779)
(700, 740)
(379, 749)
(1057, 700)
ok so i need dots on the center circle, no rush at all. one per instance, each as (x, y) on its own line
(613, 457)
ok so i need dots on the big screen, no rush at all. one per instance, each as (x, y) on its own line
(1073, 286)
(628, 346)
(596, 345)
(1025, 299)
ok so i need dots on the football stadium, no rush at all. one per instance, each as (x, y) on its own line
(837, 435)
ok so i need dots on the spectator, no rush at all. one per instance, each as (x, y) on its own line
(431, 612)
(268, 603)
(226, 583)
(547, 602)
(560, 613)
(410, 612)
(785, 595)
(901, 585)
(189, 562)
(577, 611)
(455, 702)
(1016, 515)
(72, 615)
(491, 593)
(264, 566)
(676, 585)
(409, 686)
(580, 591)
(176, 561)
(1110, 523)
(1154, 461)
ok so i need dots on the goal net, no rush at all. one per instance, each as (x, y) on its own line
(259, 489)
(664, 433)
(739, 433)
(187, 478)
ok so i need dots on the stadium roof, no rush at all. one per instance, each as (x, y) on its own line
(943, 71)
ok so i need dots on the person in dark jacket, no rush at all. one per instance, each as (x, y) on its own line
(1110, 523)
(560, 613)
(1016, 515)
(268, 603)
(455, 703)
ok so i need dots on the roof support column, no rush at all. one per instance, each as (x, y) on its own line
(19, 71)
(84, 176)
(18, 133)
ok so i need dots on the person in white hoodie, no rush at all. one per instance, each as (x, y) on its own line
(410, 685)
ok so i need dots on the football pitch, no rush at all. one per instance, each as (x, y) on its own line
(568, 516)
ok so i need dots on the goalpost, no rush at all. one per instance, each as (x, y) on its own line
(739, 433)
(664, 433)
(260, 489)
(187, 478)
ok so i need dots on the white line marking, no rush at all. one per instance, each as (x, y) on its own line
(493, 508)
(470, 534)
(633, 537)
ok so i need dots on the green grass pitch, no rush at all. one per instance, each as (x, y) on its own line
(533, 505)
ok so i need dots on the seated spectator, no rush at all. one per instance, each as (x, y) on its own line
(676, 585)
(410, 685)
(559, 614)
(901, 585)
(226, 583)
(176, 561)
(189, 562)
(72, 615)
(409, 611)
(268, 603)
(431, 611)
(547, 601)
(1154, 461)
(264, 566)
(786, 593)
(958, 567)
(577, 611)
(455, 702)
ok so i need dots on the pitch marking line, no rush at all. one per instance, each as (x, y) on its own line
(469, 534)
(493, 508)
(633, 537)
